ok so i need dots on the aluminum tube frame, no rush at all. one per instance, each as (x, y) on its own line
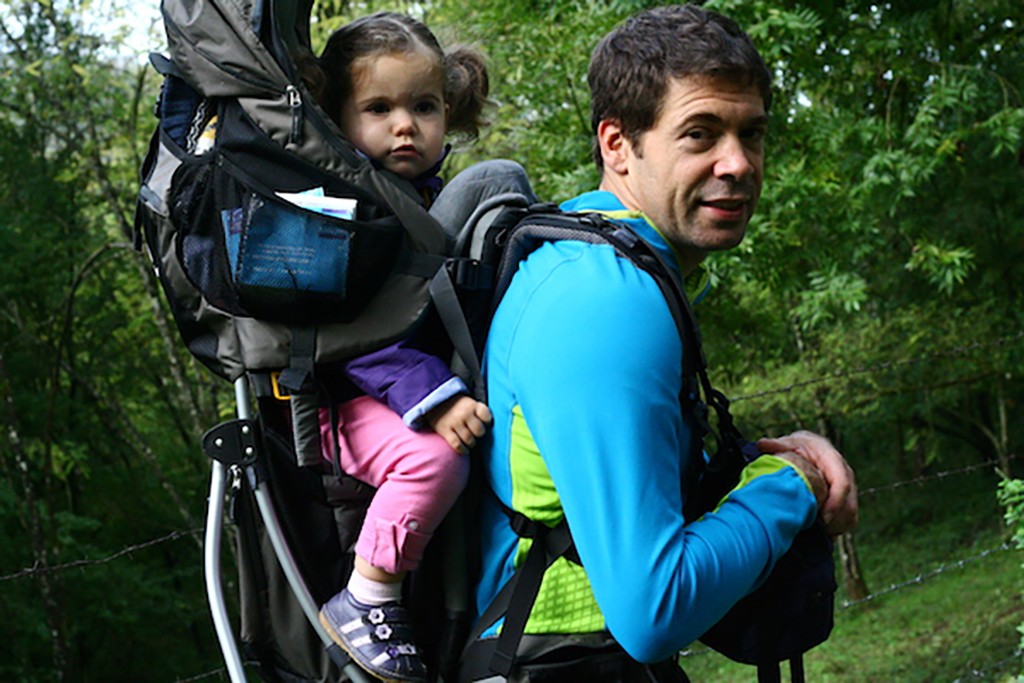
(211, 554)
(215, 593)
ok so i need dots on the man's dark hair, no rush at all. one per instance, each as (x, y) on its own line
(631, 67)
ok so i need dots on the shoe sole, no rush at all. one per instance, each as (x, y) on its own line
(355, 660)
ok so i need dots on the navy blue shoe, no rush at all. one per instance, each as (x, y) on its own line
(379, 639)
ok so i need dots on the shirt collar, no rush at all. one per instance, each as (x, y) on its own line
(697, 283)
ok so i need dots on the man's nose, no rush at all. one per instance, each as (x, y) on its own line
(735, 159)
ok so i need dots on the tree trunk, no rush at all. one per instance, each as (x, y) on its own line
(853, 579)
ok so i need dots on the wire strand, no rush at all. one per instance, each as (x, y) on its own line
(926, 576)
(37, 569)
(882, 367)
(199, 677)
(924, 478)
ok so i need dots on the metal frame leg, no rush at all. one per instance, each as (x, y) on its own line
(211, 552)
(215, 593)
(211, 564)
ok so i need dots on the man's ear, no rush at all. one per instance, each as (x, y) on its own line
(615, 146)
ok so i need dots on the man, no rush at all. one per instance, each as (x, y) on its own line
(584, 366)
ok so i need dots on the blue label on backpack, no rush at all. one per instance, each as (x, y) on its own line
(233, 219)
(282, 248)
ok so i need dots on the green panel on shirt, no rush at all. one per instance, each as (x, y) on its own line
(565, 603)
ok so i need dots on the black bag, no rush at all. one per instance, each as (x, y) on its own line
(792, 611)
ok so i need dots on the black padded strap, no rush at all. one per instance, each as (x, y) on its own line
(446, 302)
(303, 402)
(516, 598)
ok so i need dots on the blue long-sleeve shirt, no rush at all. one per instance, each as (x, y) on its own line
(584, 368)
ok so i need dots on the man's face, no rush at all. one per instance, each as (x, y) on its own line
(697, 173)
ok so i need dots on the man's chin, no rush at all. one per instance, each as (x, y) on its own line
(723, 239)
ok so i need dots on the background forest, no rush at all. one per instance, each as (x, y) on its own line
(877, 299)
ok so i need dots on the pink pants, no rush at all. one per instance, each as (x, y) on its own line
(418, 476)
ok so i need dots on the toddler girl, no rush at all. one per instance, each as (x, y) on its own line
(395, 93)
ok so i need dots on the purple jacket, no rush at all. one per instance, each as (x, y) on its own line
(408, 380)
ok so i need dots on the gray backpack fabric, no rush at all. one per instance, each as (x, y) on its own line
(202, 216)
(264, 289)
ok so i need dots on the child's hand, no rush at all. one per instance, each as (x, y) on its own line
(461, 420)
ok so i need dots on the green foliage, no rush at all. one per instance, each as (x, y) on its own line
(944, 266)
(1011, 497)
(876, 297)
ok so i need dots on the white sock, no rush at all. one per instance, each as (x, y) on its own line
(370, 592)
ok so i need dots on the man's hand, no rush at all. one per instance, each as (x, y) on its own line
(461, 420)
(839, 511)
(811, 473)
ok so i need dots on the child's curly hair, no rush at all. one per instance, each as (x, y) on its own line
(329, 77)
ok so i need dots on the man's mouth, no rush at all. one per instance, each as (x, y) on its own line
(727, 208)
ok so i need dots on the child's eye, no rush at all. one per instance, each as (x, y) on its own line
(426, 107)
(378, 108)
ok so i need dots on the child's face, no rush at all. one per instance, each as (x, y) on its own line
(396, 114)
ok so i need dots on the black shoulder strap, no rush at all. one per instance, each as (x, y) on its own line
(515, 600)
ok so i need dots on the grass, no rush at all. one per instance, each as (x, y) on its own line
(957, 626)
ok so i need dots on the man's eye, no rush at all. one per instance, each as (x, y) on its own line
(699, 136)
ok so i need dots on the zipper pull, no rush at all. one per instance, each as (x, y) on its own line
(295, 104)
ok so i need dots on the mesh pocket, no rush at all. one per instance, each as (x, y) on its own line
(286, 249)
(261, 256)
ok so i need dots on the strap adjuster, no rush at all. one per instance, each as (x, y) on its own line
(279, 392)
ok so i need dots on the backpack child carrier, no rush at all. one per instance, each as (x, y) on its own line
(280, 249)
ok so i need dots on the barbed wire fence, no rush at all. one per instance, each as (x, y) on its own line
(36, 570)
(921, 480)
(914, 581)
(884, 366)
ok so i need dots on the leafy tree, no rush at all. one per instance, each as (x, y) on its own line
(100, 428)
(876, 298)
(882, 226)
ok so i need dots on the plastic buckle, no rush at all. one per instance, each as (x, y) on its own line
(278, 391)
